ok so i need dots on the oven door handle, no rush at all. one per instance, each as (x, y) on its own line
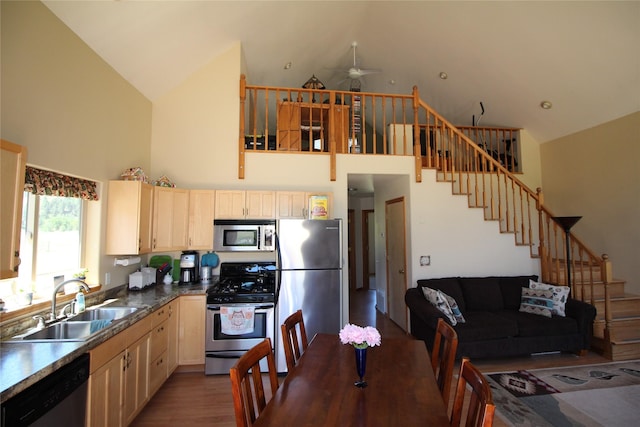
(224, 355)
(257, 307)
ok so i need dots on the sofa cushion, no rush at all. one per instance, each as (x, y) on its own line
(531, 325)
(560, 295)
(448, 285)
(483, 325)
(439, 301)
(481, 293)
(511, 290)
(454, 307)
(536, 301)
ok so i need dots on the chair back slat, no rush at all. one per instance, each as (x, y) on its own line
(443, 357)
(247, 386)
(481, 409)
(294, 338)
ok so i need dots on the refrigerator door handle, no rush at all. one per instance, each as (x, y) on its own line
(278, 267)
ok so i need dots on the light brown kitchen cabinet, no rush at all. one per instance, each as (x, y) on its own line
(158, 349)
(104, 400)
(240, 204)
(170, 219)
(295, 204)
(13, 158)
(118, 380)
(191, 330)
(129, 217)
(136, 378)
(172, 336)
(201, 212)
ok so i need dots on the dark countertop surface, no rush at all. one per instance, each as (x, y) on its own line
(23, 363)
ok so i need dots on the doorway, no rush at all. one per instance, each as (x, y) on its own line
(395, 229)
(368, 250)
(351, 249)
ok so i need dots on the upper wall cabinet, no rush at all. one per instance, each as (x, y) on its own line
(295, 204)
(13, 159)
(129, 210)
(201, 213)
(238, 204)
(170, 219)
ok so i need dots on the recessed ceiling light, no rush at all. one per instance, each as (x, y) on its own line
(546, 105)
(443, 75)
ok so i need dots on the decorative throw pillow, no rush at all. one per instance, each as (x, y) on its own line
(560, 295)
(454, 307)
(536, 301)
(437, 299)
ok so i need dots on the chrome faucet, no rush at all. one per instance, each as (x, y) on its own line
(83, 286)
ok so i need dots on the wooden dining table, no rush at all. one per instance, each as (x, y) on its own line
(401, 388)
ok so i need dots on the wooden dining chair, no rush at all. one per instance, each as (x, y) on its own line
(294, 347)
(481, 408)
(247, 387)
(443, 357)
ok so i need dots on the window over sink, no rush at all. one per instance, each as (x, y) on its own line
(52, 238)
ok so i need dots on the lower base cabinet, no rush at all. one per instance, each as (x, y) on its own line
(119, 377)
(191, 330)
(106, 393)
(129, 368)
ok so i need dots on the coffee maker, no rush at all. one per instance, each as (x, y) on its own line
(189, 267)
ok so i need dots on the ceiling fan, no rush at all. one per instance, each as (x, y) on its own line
(355, 73)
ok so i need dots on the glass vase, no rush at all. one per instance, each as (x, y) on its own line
(361, 366)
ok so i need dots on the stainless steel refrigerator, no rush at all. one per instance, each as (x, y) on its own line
(309, 276)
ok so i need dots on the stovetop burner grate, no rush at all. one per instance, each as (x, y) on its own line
(244, 282)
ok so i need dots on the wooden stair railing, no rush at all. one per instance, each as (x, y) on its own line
(405, 125)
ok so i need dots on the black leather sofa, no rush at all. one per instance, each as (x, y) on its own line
(494, 325)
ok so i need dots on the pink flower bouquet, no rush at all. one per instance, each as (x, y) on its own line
(360, 337)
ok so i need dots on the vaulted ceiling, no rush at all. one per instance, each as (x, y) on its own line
(581, 56)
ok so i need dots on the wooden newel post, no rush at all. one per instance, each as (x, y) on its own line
(243, 97)
(542, 249)
(416, 135)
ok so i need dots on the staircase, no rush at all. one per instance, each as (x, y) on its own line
(481, 172)
(619, 337)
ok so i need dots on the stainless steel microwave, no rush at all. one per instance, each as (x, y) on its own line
(232, 235)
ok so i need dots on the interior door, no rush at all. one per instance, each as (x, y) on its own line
(396, 261)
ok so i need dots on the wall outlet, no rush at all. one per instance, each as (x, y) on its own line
(425, 260)
(107, 278)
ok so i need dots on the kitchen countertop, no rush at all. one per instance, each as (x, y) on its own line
(23, 363)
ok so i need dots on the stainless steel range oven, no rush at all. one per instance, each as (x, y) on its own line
(240, 313)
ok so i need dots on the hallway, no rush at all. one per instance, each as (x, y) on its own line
(362, 312)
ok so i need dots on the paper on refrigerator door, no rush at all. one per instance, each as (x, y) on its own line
(236, 320)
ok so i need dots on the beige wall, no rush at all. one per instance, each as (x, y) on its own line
(71, 110)
(190, 135)
(594, 174)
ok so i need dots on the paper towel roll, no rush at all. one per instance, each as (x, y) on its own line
(128, 261)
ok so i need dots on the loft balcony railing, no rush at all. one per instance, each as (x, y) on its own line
(479, 162)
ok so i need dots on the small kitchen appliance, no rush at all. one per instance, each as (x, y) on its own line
(189, 267)
(242, 287)
(248, 235)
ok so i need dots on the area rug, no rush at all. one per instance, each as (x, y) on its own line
(593, 395)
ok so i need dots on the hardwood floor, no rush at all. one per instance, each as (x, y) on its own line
(194, 399)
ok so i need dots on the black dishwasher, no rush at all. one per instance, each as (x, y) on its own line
(58, 399)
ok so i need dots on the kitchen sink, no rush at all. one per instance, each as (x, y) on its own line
(66, 331)
(102, 313)
(79, 327)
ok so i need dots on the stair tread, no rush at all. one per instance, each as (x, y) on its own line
(624, 297)
(622, 319)
(630, 341)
